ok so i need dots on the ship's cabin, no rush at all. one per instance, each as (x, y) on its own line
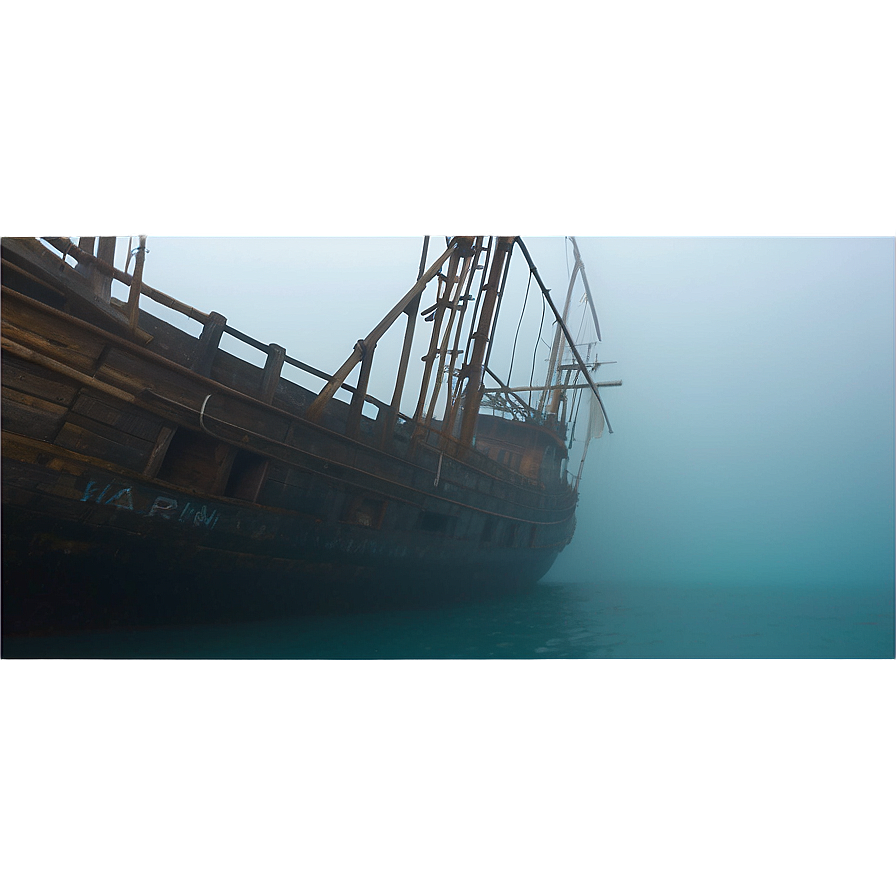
(532, 451)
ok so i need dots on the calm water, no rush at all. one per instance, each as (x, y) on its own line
(595, 759)
(549, 621)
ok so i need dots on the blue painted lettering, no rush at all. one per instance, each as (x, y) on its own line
(203, 517)
(90, 493)
(163, 507)
(121, 499)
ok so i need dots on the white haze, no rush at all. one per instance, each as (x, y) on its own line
(754, 433)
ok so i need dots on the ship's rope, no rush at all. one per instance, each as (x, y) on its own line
(537, 341)
(202, 415)
(574, 411)
(517, 336)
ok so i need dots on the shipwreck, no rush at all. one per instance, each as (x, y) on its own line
(147, 472)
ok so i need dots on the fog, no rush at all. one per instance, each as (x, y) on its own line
(754, 430)
(754, 433)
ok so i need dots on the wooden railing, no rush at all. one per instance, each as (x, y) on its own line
(215, 325)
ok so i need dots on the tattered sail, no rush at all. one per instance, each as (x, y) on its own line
(595, 420)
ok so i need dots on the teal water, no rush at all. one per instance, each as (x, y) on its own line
(548, 621)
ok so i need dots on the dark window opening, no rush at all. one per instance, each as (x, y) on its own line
(193, 459)
(246, 476)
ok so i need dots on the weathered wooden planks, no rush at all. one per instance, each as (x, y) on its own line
(123, 418)
(83, 435)
(19, 281)
(30, 416)
(47, 333)
(89, 426)
(139, 431)
(32, 379)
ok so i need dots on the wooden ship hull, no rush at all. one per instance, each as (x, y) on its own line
(148, 474)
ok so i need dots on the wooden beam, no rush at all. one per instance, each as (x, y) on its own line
(353, 424)
(209, 341)
(136, 283)
(391, 415)
(271, 376)
(160, 449)
(549, 388)
(547, 296)
(474, 370)
(102, 280)
(430, 356)
(85, 244)
(58, 367)
(69, 248)
(317, 406)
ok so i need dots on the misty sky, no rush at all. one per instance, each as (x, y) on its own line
(726, 167)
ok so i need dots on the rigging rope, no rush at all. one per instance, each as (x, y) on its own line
(535, 351)
(522, 313)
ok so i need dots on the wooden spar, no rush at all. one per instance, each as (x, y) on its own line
(271, 375)
(353, 423)
(591, 364)
(102, 280)
(440, 306)
(581, 265)
(67, 247)
(209, 340)
(554, 366)
(411, 312)
(86, 245)
(316, 407)
(488, 352)
(474, 370)
(548, 388)
(504, 388)
(467, 271)
(58, 367)
(557, 351)
(453, 403)
(136, 283)
(547, 295)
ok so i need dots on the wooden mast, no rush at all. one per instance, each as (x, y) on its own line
(411, 311)
(472, 372)
(364, 346)
(102, 280)
(136, 284)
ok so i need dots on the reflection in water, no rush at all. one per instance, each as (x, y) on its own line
(548, 621)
